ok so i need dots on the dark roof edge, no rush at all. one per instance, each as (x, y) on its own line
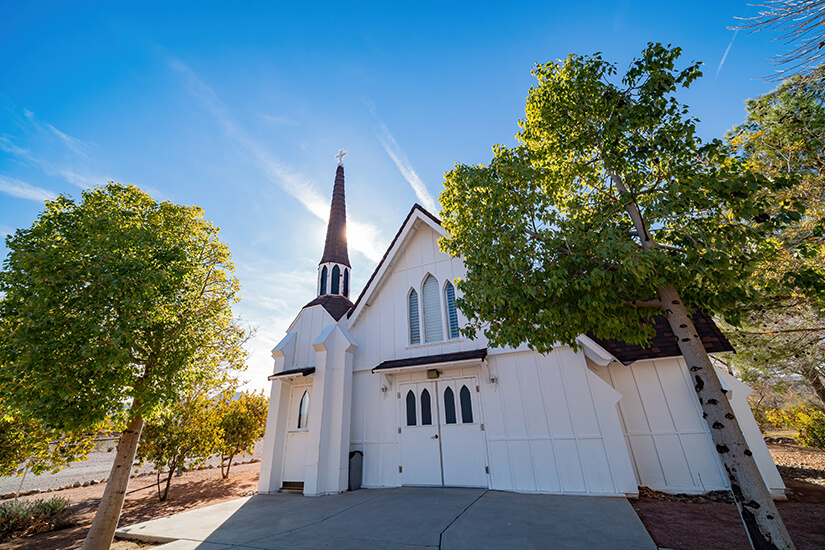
(479, 354)
(415, 207)
(304, 371)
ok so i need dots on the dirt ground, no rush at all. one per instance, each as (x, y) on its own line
(699, 523)
(192, 490)
(679, 523)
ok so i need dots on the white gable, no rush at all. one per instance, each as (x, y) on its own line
(381, 323)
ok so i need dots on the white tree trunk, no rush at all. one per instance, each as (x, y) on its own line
(102, 531)
(753, 499)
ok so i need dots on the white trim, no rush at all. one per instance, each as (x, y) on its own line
(393, 254)
(595, 352)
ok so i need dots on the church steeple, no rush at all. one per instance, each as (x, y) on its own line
(333, 270)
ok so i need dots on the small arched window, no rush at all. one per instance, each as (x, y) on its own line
(323, 280)
(303, 411)
(410, 408)
(466, 405)
(452, 315)
(426, 409)
(432, 311)
(449, 406)
(336, 280)
(346, 283)
(415, 325)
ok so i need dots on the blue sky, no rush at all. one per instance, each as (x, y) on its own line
(240, 107)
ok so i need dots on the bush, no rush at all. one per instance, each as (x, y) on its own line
(26, 517)
(809, 424)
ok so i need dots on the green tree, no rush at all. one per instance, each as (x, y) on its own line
(28, 445)
(609, 211)
(783, 333)
(242, 418)
(113, 307)
(184, 432)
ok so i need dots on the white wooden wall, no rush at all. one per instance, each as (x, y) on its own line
(669, 442)
(538, 438)
(552, 427)
(382, 331)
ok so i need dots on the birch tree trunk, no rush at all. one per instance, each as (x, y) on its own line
(753, 499)
(102, 531)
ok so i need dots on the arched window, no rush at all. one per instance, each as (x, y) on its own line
(346, 283)
(415, 332)
(303, 411)
(466, 405)
(336, 279)
(323, 280)
(432, 311)
(452, 315)
(426, 410)
(449, 406)
(410, 408)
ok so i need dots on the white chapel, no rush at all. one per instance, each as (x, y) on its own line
(389, 378)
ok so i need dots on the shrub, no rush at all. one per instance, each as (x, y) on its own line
(26, 517)
(809, 424)
(242, 418)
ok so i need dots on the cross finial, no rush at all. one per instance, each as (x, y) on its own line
(340, 156)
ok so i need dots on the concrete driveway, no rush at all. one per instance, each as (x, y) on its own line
(402, 518)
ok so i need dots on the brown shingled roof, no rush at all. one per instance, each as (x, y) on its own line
(335, 247)
(335, 305)
(664, 343)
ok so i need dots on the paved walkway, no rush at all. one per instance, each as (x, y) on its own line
(404, 518)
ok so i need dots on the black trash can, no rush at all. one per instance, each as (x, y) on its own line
(356, 461)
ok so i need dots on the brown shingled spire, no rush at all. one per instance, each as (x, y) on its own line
(335, 248)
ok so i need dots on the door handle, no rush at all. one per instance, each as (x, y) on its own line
(434, 437)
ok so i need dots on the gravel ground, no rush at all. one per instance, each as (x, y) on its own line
(799, 463)
(95, 468)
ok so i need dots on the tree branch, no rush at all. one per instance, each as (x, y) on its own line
(643, 303)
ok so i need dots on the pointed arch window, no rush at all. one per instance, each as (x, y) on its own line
(323, 281)
(415, 326)
(449, 406)
(410, 408)
(346, 283)
(452, 314)
(303, 411)
(432, 311)
(426, 409)
(336, 279)
(466, 405)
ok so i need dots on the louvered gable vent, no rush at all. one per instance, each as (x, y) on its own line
(433, 331)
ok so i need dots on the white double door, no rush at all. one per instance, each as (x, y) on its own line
(442, 437)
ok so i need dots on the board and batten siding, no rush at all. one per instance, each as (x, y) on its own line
(669, 442)
(383, 331)
(549, 425)
(383, 334)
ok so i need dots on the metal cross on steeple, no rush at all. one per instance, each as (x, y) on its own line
(340, 156)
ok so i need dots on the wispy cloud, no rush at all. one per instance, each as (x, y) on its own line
(22, 190)
(399, 157)
(72, 143)
(363, 237)
(280, 120)
(5, 230)
(42, 145)
(725, 56)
